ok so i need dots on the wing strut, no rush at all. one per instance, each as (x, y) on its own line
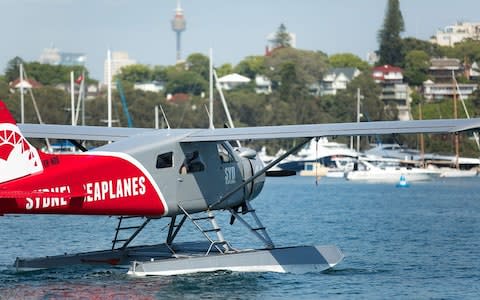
(260, 173)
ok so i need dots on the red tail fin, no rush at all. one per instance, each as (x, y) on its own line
(17, 157)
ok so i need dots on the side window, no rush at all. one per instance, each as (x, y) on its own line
(165, 160)
(192, 163)
(225, 156)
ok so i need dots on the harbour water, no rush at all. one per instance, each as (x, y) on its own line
(417, 242)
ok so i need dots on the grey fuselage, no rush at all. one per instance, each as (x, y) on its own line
(193, 175)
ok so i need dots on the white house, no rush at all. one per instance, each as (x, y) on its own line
(456, 33)
(337, 79)
(263, 85)
(233, 80)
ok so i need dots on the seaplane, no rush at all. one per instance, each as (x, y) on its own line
(182, 175)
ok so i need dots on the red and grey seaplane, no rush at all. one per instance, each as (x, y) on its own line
(184, 175)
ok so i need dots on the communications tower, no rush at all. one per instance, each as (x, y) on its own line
(178, 25)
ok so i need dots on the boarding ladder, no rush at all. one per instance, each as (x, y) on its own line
(128, 225)
(257, 229)
(201, 221)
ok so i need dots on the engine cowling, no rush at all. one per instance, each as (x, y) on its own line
(251, 164)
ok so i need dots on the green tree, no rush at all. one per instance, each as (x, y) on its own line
(224, 69)
(372, 107)
(12, 71)
(468, 50)
(199, 64)
(410, 44)
(251, 66)
(417, 63)
(185, 82)
(136, 73)
(4, 88)
(159, 73)
(282, 37)
(309, 65)
(389, 39)
(347, 60)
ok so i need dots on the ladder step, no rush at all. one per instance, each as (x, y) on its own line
(202, 218)
(259, 228)
(219, 242)
(120, 240)
(212, 230)
(129, 217)
(129, 227)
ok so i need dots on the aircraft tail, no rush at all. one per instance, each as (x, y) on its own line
(18, 158)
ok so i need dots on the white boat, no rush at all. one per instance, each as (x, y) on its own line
(336, 157)
(367, 172)
(399, 152)
(457, 173)
(314, 169)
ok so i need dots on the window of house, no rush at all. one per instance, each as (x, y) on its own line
(165, 160)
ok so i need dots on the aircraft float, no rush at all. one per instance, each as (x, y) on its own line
(185, 175)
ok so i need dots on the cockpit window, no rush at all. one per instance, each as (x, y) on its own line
(224, 154)
(165, 160)
(193, 163)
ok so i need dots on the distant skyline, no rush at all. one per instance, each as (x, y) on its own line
(233, 29)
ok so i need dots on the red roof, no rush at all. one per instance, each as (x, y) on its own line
(387, 69)
(179, 98)
(384, 70)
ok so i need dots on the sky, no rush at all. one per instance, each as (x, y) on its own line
(232, 29)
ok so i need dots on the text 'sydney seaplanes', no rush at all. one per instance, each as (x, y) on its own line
(94, 191)
(183, 175)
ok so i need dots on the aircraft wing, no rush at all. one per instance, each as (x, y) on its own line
(91, 133)
(334, 129)
(100, 133)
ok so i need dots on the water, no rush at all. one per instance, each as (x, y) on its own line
(416, 242)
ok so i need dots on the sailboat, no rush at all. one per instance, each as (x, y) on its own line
(457, 172)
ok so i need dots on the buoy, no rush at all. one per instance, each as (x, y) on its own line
(402, 182)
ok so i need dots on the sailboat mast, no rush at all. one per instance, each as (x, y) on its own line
(422, 141)
(455, 116)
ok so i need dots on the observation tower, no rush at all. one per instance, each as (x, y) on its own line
(178, 26)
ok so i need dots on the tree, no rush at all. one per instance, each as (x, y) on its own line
(136, 73)
(466, 50)
(282, 38)
(185, 82)
(372, 107)
(251, 66)
(410, 44)
(348, 60)
(12, 71)
(389, 39)
(309, 65)
(159, 73)
(224, 69)
(417, 63)
(199, 64)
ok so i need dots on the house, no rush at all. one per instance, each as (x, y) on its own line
(441, 70)
(394, 90)
(337, 79)
(233, 80)
(456, 33)
(154, 86)
(438, 91)
(443, 73)
(26, 84)
(473, 71)
(263, 85)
